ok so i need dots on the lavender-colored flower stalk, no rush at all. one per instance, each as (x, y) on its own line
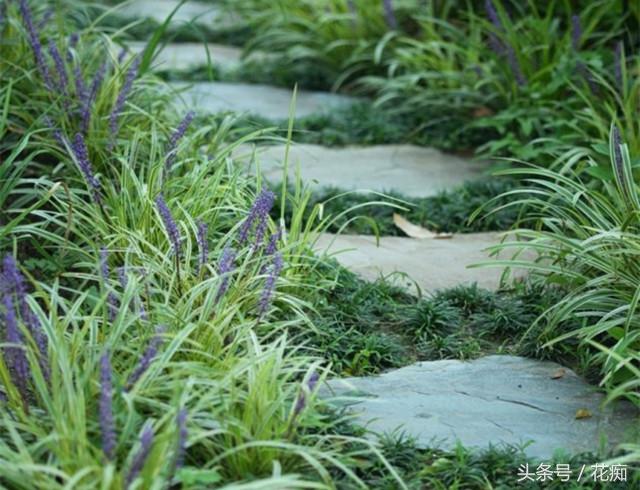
(225, 267)
(82, 159)
(146, 440)
(147, 357)
(181, 421)
(389, 15)
(112, 301)
(272, 244)
(121, 55)
(515, 67)
(81, 88)
(45, 19)
(576, 32)
(203, 245)
(169, 224)
(619, 63)
(107, 425)
(63, 80)
(492, 14)
(270, 284)
(15, 281)
(34, 39)
(301, 402)
(258, 213)
(131, 75)
(15, 355)
(175, 138)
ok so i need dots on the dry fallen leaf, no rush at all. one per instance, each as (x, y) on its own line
(415, 231)
(583, 413)
(559, 373)
(482, 111)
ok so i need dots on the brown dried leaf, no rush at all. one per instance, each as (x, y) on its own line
(415, 231)
(583, 413)
(559, 373)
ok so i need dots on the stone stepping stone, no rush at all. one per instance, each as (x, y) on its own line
(159, 10)
(411, 170)
(495, 399)
(430, 264)
(261, 100)
(182, 56)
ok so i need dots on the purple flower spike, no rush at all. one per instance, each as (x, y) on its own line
(203, 245)
(63, 80)
(270, 284)
(82, 159)
(147, 357)
(146, 440)
(576, 32)
(181, 420)
(15, 281)
(36, 47)
(515, 67)
(259, 214)
(107, 425)
(175, 138)
(389, 14)
(82, 92)
(169, 224)
(112, 301)
(15, 355)
(272, 245)
(301, 402)
(131, 75)
(492, 14)
(225, 267)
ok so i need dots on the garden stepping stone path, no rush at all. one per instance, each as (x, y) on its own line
(495, 399)
(261, 100)
(411, 170)
(430, 264)
(182, 56)
(159, 10)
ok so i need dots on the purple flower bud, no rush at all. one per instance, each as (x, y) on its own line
(181, 420)
(301, 402)
(492, 14)
(389, 15)
(272, 245)
(34, 39)
(81, 89)
(107, 425)
(226, 265)
(82, 160)
(576, 32)
(146, 440)
(131, 75)
(515, 67)
(63, 81)
(270, 284)
(259, 213)
(112, 301)
(15, 356)
(15, 282)
(203, 245)
(147, 357)
(175, 138)
(121, 55)
(169, 224)
(45, 19)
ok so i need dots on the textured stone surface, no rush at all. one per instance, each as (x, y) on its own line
(159, 10)
(414, 171)
(181, 56)
(430, 263)
(496, 399)
(261, 100)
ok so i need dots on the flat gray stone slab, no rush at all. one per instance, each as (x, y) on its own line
(496, 399)
(159, 10)
(415, 171)
(261, 100)
(430, 264)
(182, 56)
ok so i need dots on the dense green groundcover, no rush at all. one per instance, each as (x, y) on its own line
(161, 330)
